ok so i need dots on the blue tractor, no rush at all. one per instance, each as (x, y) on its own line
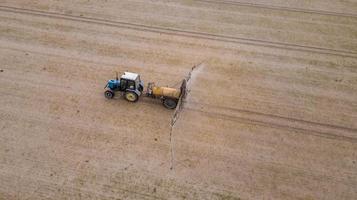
(129, 84)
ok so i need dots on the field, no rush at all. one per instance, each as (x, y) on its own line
(271, 113)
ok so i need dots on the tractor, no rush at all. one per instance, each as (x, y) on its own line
(130, 86)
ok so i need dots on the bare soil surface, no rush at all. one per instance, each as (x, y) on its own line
(271, 115)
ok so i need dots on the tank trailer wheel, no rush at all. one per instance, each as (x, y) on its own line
(131, 96)
(109, 94)
(170, 103)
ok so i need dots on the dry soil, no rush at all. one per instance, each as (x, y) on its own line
(271, 115)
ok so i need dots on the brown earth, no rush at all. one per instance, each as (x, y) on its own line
(271, 115)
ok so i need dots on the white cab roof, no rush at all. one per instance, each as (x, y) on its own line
(129, 75)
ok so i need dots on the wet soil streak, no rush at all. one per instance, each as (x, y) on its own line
(171, 143)
(191, 75)
(174, 119)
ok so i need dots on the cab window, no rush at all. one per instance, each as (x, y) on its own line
(131, 85)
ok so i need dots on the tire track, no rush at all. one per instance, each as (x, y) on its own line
(346, 132)
(281, 8)
(183, 33)
(288, 118)
(266, 117)
(273, 121)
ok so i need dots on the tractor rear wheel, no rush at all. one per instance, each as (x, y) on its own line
(131, 96)
(109, 94)
(170, 103)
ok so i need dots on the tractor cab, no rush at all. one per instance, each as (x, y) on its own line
(131, 81)
(129, 85)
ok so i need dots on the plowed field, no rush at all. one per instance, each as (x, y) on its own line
(272, 114)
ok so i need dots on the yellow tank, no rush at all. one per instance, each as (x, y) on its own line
(166, 92)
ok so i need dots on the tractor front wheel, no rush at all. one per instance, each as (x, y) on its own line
(170, 103)
(131, 96)
(109, 94)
